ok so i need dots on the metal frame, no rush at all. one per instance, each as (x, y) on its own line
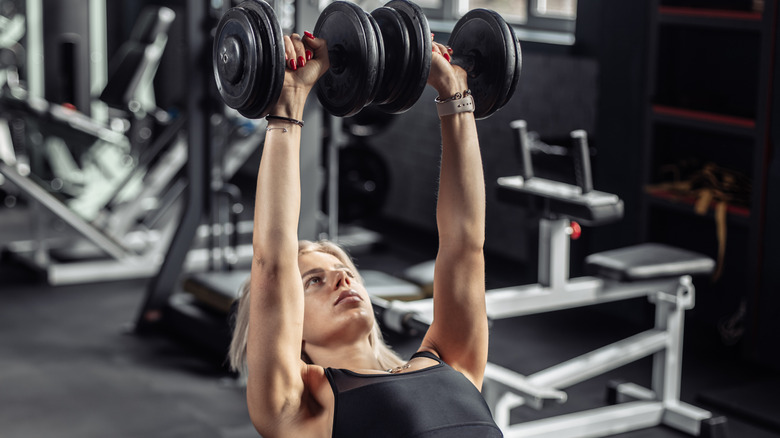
(639, 407)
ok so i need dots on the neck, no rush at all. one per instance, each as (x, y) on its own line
(358, 356)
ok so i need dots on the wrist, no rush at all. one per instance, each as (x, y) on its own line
(447, 87)
(457, 95)
(290, 104)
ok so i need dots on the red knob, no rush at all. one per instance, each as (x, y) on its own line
(575, 230)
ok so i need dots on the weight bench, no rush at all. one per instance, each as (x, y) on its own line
(659, 272)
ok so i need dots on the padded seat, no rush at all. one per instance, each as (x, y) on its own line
(555, 199)
(648, 261)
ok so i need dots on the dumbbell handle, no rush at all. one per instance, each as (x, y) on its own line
(466, 62)
(581, 154)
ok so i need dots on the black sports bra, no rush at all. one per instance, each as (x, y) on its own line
(433, 402)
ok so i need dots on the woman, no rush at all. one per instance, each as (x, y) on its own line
(305, 333)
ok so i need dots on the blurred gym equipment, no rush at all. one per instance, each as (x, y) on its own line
(114, 182)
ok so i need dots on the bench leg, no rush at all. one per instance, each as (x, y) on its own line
(667, 366)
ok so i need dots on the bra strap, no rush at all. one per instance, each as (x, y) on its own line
(426, 354)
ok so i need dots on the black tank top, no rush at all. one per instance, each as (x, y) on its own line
(433, 402)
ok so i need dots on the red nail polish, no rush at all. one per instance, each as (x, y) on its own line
(308, 55)
(301, 61)
(447, 57)
(292, 65)
(308, 34)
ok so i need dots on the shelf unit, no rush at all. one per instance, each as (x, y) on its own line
(708, 102)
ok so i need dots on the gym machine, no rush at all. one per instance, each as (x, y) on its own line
(119, 234)
(661, 273)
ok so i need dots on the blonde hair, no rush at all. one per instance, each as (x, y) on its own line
(237, 355)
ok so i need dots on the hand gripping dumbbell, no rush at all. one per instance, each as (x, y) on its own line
(382, 58)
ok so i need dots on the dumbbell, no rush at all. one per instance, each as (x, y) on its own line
(486, 47)
(382, 58)
(248, 58)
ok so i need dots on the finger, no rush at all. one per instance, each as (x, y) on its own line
(314, 43)
(300, 50)
(318, 48)
(441, 50)
(289, 53)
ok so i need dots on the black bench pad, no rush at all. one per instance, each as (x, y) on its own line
(647, 261)
(560, 200)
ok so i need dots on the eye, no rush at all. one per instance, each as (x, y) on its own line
(312, 281)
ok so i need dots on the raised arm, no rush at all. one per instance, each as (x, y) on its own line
(275, 386)
(459, 332)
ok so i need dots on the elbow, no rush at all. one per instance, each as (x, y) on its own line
(270, 249)
(466, 239)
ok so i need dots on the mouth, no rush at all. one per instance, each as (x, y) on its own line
(348, 296)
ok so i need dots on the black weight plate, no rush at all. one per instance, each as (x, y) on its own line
(354, 65)
(235, 54)
(273, 56)
(395, 36)
(248, 65)
(381, 58)
(518, 66)
(485, 37)
(415, 76)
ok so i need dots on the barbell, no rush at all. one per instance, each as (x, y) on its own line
(381, 58)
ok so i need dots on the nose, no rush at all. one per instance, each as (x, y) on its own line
(342, 279)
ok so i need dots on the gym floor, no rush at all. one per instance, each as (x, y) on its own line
(70, 365)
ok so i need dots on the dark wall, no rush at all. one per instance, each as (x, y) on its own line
(766, 321)
(615, 34)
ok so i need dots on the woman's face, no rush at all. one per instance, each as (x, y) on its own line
(337, 308)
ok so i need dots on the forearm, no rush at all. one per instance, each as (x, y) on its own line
(278, 196)
(461, 204)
